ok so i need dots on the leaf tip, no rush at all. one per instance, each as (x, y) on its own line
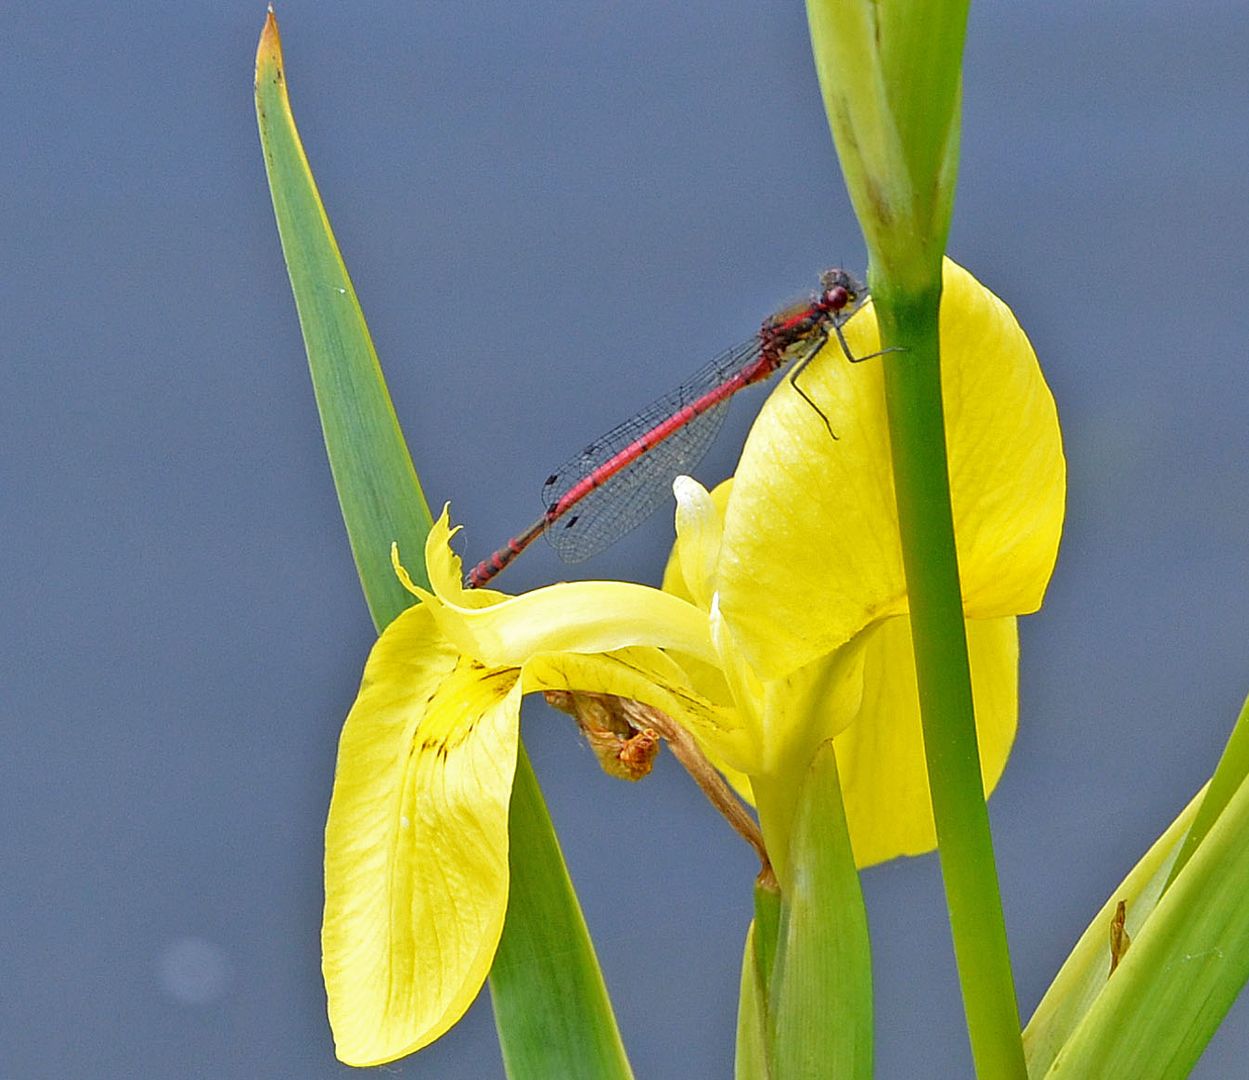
(269, 50)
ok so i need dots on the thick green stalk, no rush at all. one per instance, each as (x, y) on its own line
(909, 319)
(890, 72)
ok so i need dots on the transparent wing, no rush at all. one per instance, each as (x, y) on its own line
(626, 498)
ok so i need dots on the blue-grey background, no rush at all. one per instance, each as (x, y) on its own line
(551, 212)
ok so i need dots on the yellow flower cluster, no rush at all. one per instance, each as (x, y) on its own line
(782, 624)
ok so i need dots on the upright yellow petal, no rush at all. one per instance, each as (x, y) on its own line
(700, 527)
(880, 757)
(692, 567)
(811, 553)
(416, 872)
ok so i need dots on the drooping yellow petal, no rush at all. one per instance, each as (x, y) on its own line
(416, 873)
(880, 757)
(648, 676)
(799, 712)
(579, 616)
(811, 553)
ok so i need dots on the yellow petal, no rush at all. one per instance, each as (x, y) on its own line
(416, 871)
(654, 679)
(696, 552)
(578, 616)
(811, 553)
(797, 713)
(693, 528)
(810, 706)
(446, 575)
(582, 616)
(884, 777)
(700, 524)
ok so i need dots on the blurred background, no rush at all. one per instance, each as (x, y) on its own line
(552, 212)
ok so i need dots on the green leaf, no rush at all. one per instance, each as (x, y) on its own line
(752, 1015)
(767, 926)
(554, 1009)
(1084, 973)
(822, 984)
(1228, 775)
(1184, 968)
(377, 486)
(551, 1007)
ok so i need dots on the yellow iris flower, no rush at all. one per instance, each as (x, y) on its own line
(782, 624)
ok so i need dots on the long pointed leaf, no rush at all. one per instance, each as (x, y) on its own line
(1229, 774)
(382, 502)
(377, 486)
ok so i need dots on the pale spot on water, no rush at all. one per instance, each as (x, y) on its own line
(194, 971)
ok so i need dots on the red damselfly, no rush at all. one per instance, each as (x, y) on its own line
(621, 479)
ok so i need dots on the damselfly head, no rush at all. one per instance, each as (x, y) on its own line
(839, 290)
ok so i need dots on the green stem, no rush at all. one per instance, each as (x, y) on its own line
(908, 318)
